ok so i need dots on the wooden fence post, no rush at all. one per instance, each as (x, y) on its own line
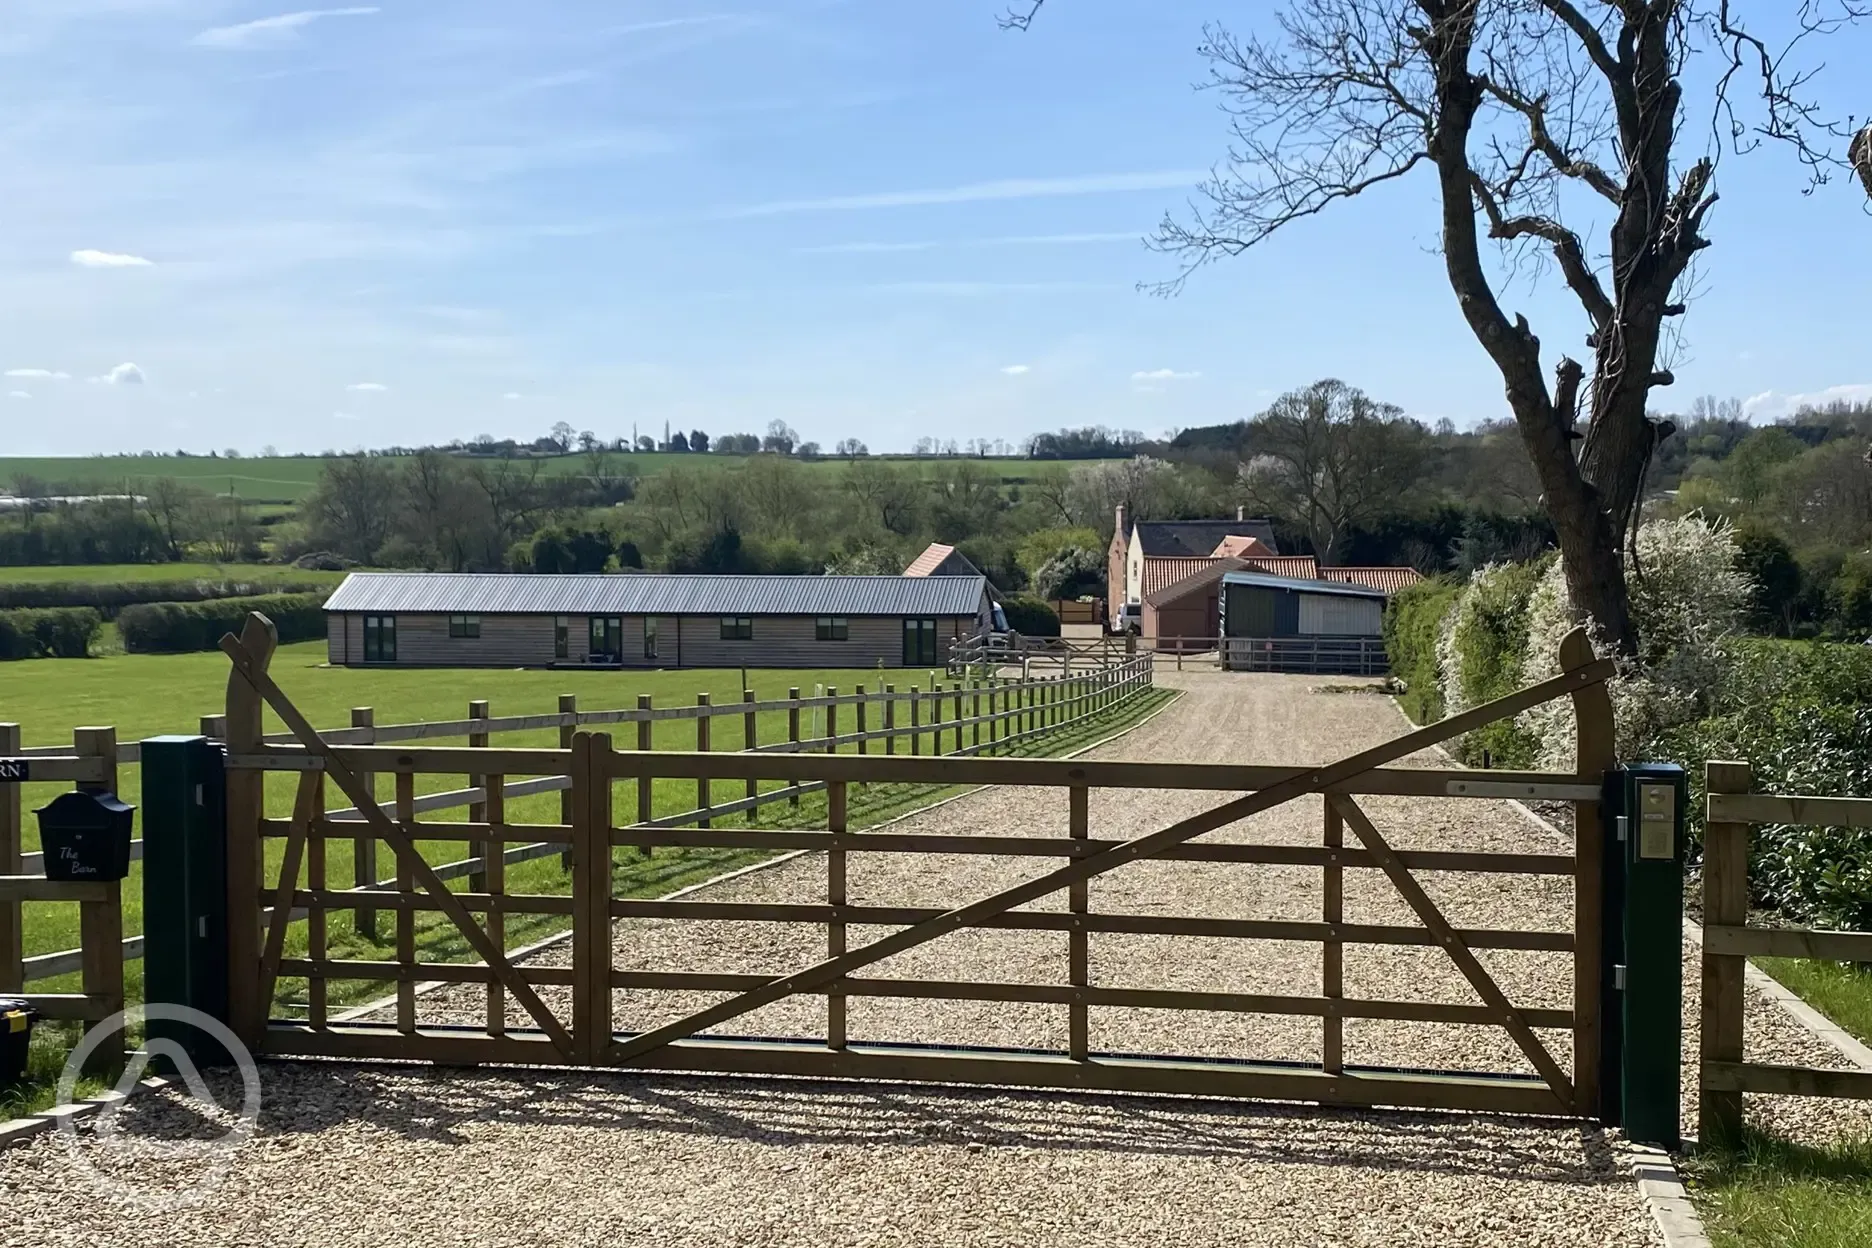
(477, 811)
(100, 924)
(646, 786)
(1079, 955)
(831, 719)
(496, 886)
(916, 715)
(364, 844)
(792, 733)
(702, 746)
(859, 709)
(568, 707)
(406, 917)
(12, 971)
(960, 715)
(1332, 952)
(1725, 903)
(835, 896)
(750, 738)
(977, 717)
(246, 806)
(890, 719)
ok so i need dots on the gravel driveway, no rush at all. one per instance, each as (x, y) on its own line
(374, 1155)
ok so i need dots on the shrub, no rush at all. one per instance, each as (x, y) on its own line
(1031, 617)
(1481, 647)
(109, 597)
(1687, 601)
(1070, 573)
(1412, 623)
(48, 633)
(177, 627)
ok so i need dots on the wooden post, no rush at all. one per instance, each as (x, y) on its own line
(246, 806)
(12, 972)
(1078, 954)
(977, 717)
(1332, 956)
(1725, 903)
(316, 985)
(568, 706)
(100, 927)
(792, 734)
(960, 716)
(750, 737)
(1596, 753)
(405, 916)
(835, 897)
(646, 785)
(890, 719)
(591, 893)
(916, 714)
(496, 864)
(936, 717)
(364, 845)
(477, 811)
(859, 710)
(831, 719)
(702, 745)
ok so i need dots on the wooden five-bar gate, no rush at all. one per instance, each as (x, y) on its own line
(590, 1032)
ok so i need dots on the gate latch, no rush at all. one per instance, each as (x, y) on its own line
(1618, 977)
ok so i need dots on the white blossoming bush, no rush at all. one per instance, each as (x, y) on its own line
(1687, 605)
(1481, 648)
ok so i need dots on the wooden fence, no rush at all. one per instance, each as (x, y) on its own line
(987, 714)
(1321, 656)
(590, 1035)
(1729, 940)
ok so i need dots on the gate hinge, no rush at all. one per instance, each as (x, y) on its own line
(1618, 977)
(1621, 823)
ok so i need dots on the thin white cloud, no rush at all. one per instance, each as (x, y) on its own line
(513, 394)
(367, 387)
(977, 192)
(272, 31)
(344, 416)
(19, 394)
(1015, 370)
(87, 258)
(1773, 405)
(1165, 374)
(125, 374)
(1012, 240)
(670, 23)
(967, 289)
(44, 373)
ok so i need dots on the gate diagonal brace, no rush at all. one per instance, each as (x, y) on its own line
(392, 834)
(1086, 868)
(1459, 952)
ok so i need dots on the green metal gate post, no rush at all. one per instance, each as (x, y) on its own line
(1650, 836)
(184, 888)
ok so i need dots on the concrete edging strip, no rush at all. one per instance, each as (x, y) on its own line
(20, 1130)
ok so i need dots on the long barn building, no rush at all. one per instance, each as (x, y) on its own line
(445, 619)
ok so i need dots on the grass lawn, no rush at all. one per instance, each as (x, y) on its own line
(1770, 1193)
(1840, 990)
(260, 574)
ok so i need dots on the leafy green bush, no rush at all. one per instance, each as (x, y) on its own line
(1030, 617)
(1413, 621)
(177, 627)
(48, 633)
(109, 597)
(1480, 651)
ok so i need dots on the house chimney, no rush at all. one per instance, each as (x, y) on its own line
(1118, 522)
(1241, 512)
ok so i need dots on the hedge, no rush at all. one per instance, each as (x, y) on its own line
(176, 627)
(1030, 617)
(1413, 620)
(56, 633)
(110, 597)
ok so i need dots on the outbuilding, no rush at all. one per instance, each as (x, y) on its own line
(1284, 624)
(639, 620)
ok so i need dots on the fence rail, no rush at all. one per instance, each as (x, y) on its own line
(944, 719)
(1321, 656)
(1729, 939)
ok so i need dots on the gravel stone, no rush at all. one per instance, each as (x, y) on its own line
(378, 1154)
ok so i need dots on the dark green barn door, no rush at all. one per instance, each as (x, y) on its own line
(919, 648)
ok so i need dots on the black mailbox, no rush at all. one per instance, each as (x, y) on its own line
(86, 836)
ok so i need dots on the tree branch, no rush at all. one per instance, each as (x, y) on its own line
(1567, 249)
(1542, 141)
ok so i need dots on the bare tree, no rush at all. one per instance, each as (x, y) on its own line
(178, 510)
(1331, 458)
(353, 504)
(1528, 114)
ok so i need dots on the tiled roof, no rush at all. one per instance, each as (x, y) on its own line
(1285, 565)
(931, 559)
(1391, 580)
(1194, 578)
(1161, 573)
(1195, 539)
(478, 593)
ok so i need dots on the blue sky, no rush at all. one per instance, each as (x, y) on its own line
(242, 223)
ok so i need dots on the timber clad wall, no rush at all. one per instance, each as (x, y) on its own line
(688, 641)
(1324, 616)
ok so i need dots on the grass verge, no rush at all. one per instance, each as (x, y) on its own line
(1772, 1193)
(1840, 990)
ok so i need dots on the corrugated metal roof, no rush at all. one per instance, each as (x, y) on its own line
(1391, 580)
(932, 558)
(477, 593)
(1298, 585)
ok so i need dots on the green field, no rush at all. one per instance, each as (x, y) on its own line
(257, 574)
(288, 479)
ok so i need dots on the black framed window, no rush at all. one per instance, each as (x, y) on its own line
(650, 636)
(562, 638)
(737, 628)
(607, 638)
(380, 639)
(461, 626)
(831, 628)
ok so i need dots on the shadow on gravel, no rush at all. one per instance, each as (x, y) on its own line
(454, 1107)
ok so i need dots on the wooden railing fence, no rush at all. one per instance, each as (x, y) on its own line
(1729, 940)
